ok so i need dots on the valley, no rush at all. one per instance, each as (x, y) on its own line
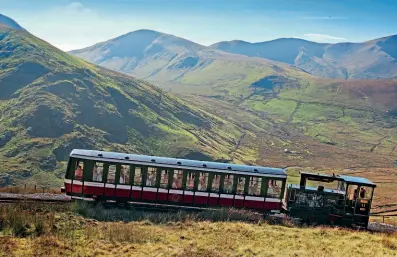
(207, 104)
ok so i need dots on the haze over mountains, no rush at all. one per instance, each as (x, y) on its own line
(368, 60)
(154, 55)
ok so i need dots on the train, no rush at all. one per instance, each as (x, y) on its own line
(102, 176)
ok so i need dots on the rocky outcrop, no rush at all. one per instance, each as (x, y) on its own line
(46, 121)
(5, 138)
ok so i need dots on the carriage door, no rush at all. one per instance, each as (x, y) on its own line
(240, 189)
(175, 194)
(363, 201)
(77, 185)
(110, 184)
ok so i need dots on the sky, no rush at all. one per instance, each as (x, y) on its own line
(70, 24)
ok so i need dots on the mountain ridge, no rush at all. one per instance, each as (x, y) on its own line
(325, 59)
(367, 60)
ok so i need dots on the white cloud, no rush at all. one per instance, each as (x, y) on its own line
(77, 7)
(322, 38)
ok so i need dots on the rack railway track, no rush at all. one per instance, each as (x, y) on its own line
(8, 200)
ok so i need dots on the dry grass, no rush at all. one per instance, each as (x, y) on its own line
(203, 239)
(68, 234)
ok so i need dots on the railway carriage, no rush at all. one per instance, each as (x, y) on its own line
(122, 177)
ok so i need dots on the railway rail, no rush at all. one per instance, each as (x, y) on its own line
(30, 200)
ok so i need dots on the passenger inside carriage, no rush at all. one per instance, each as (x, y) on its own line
(215, 184)
(240, 186)
(177, 183)
(78, 174)
(273, 190)
(190, 181)
(124, 175)
(253, 189)
(151, 177)
(164, 179)
(202, 186)
(97, 173)
(228, 184)
(255, 186)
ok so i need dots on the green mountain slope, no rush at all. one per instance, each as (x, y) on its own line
(320, 122)
(372, 59)
(316, 122)
(51, 102)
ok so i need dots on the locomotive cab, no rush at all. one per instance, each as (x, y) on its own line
(346, 200)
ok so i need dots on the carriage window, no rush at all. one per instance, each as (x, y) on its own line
(255, 186)
(203, 181)
(228, 184)
(240, 185)
(97, 171)
(78, 173)
(111, 174)
(124, 174)
(190, 181)
(138, 176)
(359, 192)
(365, 192)
(215, 183)
(151, 177)
(164, 179)
(177, 179)
(274, 188)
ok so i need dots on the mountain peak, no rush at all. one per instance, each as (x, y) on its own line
(7, 22)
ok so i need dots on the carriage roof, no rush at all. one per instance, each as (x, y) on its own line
(183, 163)
(344, 178)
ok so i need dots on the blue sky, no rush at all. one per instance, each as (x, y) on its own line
(75, 24)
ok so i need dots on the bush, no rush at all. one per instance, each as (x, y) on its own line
(103, 213)
(22, 220)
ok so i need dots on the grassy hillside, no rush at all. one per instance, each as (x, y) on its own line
(320, 123)
(372, 59)
(65, 233)
(51, 102)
